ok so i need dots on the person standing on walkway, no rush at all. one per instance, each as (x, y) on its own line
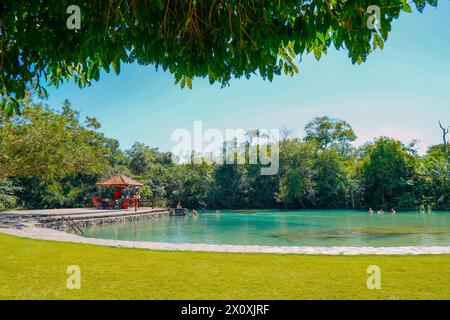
(138, 199)
(135, 202)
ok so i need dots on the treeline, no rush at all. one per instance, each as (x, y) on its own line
(52, 159)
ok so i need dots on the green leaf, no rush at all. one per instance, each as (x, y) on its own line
(377, 41)
(321, 37)
(420, 5)
(318, 53)
(116, 64)
(406, 7)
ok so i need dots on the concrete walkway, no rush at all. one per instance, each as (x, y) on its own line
(29, 231)
(70, 211)
(56, 218)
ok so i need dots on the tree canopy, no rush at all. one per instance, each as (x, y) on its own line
(330, 133)
(45, 143)
(388, 173)
(217, 39)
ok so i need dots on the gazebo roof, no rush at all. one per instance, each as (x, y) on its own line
(119, 181)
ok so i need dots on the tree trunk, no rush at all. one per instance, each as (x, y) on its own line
(444, 138)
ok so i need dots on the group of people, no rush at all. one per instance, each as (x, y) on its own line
(180, 206)
(119, 201)
(195, 212)
(422, 209)
(381, 212)
(425, 209)
(125, 199)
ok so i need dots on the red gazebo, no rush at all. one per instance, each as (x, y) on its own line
(120, 182)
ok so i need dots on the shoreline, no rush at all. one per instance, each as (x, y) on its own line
(50, 224)
(32, 232)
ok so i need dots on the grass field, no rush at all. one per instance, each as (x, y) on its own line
(35, 269)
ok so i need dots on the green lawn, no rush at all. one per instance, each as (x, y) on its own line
(34, 269)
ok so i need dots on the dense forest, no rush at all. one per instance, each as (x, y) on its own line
(52, 159)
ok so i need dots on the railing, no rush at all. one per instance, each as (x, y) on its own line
(72, 224)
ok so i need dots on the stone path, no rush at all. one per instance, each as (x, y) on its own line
(70, 211)
(27, 230)
(56, 218)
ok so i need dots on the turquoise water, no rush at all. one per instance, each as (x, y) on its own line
(288, 228)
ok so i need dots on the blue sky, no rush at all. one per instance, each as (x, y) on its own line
(401, 91)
